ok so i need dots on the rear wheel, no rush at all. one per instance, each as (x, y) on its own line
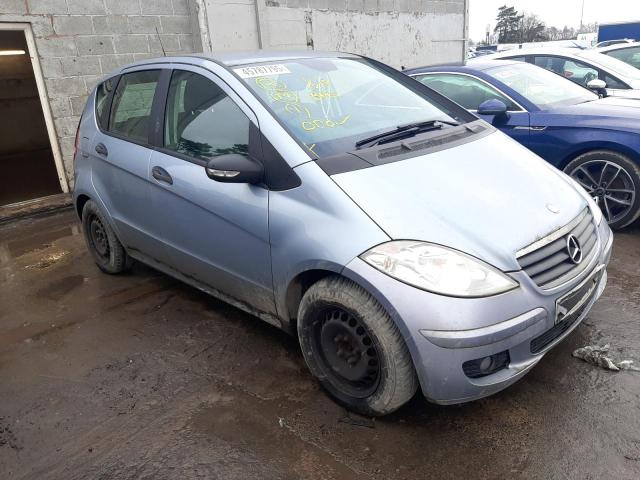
(354, 349)
(102, 242)
(613, 181)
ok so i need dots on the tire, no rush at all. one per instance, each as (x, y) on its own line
(345, 335)
(102, 242)
(617, 184)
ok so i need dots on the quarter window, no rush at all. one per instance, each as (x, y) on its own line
(464, 90)
(202, 121)
(613, 82)
(132, 101)
(102, 103)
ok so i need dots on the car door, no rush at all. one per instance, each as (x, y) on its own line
(470, 91)
(120, 154)
(215, 233)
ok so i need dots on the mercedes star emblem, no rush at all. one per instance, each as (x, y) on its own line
(573, 249)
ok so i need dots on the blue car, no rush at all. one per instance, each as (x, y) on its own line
(594, 140)
(334, 197)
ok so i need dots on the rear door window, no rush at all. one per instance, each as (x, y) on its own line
(132, 101)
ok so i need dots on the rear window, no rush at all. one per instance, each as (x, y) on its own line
(132, 101)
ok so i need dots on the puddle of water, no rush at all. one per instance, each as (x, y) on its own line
(48, 260)
(22, 237)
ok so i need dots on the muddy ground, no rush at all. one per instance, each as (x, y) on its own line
(139, 376)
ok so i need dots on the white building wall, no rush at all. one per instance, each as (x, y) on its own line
(398, 32)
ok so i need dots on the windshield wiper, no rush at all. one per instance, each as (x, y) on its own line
(403, 131)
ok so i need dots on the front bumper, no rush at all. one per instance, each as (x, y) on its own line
(443, 333)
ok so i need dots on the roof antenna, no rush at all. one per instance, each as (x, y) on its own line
(164, 54)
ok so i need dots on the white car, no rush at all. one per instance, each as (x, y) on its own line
(627, 52)
(589, 68)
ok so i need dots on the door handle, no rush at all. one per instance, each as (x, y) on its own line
(161, 175)
(101, 149)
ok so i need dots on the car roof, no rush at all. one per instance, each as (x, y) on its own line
(477, 65)
(231, 59)
(536, 51)
(617, 46)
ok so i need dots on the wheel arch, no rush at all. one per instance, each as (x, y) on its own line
(600, 146)
(80, 203)
(296, 289)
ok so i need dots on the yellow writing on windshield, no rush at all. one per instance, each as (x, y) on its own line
(319, 91)
(310, 125)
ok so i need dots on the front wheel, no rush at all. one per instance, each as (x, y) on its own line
(354, 349)
(613, 181)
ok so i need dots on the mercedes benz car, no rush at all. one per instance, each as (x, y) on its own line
(342, 201)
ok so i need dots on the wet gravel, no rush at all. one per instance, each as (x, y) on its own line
(139, 376)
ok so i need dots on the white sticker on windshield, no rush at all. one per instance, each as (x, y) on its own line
(261, 70)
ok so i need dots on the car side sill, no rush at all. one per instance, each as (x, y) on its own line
(157, 265)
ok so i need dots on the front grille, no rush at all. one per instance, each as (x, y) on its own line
(547, 261)
(568, 310)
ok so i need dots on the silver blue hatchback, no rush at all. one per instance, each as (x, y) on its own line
(403, 240)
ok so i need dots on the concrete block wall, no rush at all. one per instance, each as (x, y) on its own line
(79, 41)
(398, 32)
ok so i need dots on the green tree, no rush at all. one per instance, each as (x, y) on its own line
(508, 25)
(532, 29)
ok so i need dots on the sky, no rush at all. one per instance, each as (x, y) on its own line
(556, 13)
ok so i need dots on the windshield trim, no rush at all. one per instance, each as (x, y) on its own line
(440, 101)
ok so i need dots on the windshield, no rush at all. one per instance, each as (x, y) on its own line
(630, 55)
(542, 88)
(329, 104)
(613, 65)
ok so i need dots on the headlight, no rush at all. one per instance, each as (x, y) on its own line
(595, 208)
(438, 269)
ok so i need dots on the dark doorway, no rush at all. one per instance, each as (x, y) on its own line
(26, 158)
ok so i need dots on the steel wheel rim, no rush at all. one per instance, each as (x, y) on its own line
(346, 352)
(609, 184)
(98, 237)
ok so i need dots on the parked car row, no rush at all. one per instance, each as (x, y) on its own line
(588, 68)
(594, 140)
(405, 242)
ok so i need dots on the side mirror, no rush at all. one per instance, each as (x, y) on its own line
(492, 107)
(234, 168)
(598, 86)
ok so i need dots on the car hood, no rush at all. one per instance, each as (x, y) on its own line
(610, 112)
(488, 198)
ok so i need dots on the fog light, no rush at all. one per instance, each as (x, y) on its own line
(485, 364)
(481, 367)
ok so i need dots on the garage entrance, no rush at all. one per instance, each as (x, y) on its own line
(26, 154)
